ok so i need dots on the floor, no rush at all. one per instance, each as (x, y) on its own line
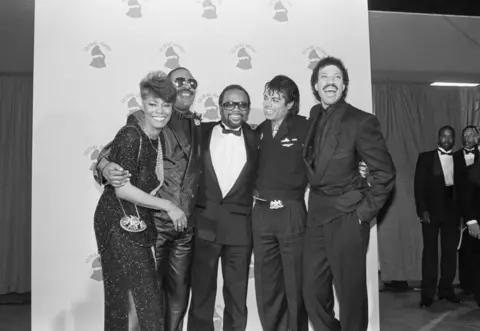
(400, 312)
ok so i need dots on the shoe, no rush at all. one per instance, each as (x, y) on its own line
(451, 298)
(426, 302)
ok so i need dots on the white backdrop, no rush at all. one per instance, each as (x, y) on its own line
(89, 58)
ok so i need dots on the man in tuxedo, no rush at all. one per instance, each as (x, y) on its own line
(182, 165)
(438, 212)
(471, 234)
(341, 204)
(223, 230)
(463, 159)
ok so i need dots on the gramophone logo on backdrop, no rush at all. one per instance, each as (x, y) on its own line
(171, 53)
(132, 102)
(281, 11)
(243, 54)
(94, 264)
(134, 9)
(207, 104)
(314, 54)
(92, 152)
(97, 54)
(209, 8)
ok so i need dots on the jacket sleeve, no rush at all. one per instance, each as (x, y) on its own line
(102, 161)
(420, 185)
(371, 147)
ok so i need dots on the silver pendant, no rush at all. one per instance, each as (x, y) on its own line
(132, 224)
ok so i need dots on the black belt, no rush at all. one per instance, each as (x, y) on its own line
(276, 199)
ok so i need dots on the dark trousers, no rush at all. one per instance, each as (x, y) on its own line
(465, 267)
(336, 252)
(235, 267)
(471, 264)
(278, 250)
(449, 236)
(173, 252)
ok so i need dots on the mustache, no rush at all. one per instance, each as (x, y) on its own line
(331, 85)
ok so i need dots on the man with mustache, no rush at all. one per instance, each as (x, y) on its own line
(463, 160)
(223, 230)
(471, 216)
(182, 166)
(341, 203)
(438, 212)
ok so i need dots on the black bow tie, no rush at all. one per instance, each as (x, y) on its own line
(227, 131)
(468, 152)
(444, 153)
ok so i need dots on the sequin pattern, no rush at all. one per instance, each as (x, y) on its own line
(127, 258)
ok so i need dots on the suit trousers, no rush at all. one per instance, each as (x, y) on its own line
(235, 262)
(449, 235)
(469, 269)
(173, 252)
(336, 252)
(278, 249)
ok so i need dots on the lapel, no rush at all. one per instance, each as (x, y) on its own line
(208, 156)
(308, 147)
(250, 149)
(330, 143)
(180, 135)
(437, 167)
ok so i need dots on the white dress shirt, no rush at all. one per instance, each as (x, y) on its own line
(469, 158)
(228, 157)
(447, 166)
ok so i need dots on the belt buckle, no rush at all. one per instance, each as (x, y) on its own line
(276, 204)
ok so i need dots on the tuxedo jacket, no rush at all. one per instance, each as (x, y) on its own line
(180, 178)
(226, 220)
(465, 189)
(337, 186)
(431, 193)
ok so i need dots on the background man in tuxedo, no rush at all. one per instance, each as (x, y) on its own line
(471, 235)
(223, 229)
(438, 212)
(182, 165)
(463, 159)
(341, 203)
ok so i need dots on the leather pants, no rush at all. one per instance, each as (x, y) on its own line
(173, 253)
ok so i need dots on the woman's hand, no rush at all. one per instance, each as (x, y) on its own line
(178, 217)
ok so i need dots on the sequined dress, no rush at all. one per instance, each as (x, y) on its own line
(127, 258)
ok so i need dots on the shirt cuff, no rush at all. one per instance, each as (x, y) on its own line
(472, 222)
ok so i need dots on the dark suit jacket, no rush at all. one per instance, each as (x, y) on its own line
(353, 135)
(181, 180)
(226, 220)
(464, 188)
(430, 191)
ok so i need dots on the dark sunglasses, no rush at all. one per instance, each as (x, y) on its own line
(180, 81)
(230, 105)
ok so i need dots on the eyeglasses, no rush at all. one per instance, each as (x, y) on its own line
(180, 81)
(230, 105)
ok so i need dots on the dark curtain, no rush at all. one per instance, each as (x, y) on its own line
(15, 182)
(410, 116)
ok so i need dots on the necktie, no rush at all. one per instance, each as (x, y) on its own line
(227, 131)
(468, 151)
(444, 153)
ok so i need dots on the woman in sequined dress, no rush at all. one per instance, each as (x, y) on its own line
(131, 286)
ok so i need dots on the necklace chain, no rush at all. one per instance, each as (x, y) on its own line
(159, 161)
